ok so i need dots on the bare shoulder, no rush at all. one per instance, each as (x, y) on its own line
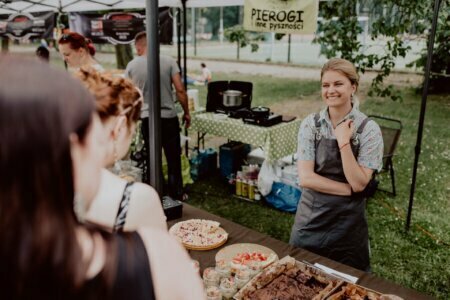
(145, 209)
(142, 190)
(170, 261)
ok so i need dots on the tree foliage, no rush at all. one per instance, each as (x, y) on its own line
(440, 65)
(230, 17)
(124, 54)
(340, 28)
(237, 34)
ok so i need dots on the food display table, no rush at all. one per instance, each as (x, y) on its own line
(277, 141)
(241, 234)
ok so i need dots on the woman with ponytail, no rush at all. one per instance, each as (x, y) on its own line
(78, 51)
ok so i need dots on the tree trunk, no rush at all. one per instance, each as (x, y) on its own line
(5, 44)
(124, 54)
(238, 46)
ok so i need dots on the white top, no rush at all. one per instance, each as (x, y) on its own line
(145, 208)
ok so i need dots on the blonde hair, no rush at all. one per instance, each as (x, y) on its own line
(114, 95)
(344, 67)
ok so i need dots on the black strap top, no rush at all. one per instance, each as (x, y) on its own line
(122, 212)
(130, 276)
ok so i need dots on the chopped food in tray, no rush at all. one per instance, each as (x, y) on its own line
(288, 279)
(350, 291)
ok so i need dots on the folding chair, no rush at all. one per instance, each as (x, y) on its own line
(390, 129)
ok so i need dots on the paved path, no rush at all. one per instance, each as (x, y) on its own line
(246, 67)
(287, 71)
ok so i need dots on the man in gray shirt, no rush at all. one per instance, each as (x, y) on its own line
(170, 128)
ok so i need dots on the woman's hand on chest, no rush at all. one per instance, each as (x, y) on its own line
(344, 132)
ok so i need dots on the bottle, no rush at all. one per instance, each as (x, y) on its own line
(244, 188)
(238, 185)
(251, 190)
(257, 194)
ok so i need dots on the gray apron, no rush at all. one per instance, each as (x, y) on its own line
(333, 226)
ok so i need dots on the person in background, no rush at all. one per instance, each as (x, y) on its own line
(339, 149)
(119, 204)
(50, 165)
(78, 51)
(206, 74)
(203, 79)
(43, 53)
(170, 127)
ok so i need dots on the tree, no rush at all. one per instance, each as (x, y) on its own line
(5, 44)
(339, 35)
(124, 54)
(242, 38)
(230, 17)
(440, 67)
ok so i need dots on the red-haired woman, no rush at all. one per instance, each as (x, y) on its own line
(78, 51)
(119, 204)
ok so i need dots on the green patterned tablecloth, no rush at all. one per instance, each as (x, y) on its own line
(277, 141)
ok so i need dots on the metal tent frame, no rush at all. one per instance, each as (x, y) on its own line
(61, 6)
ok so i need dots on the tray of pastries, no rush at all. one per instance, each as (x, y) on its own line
(350, 291)
(289, 279)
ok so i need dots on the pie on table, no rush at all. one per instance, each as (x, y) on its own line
(198, 234)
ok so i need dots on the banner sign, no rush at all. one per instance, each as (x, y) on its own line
(118, 27)
(23, 26)
(281, 16)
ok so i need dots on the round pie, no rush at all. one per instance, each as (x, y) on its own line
(198, 234)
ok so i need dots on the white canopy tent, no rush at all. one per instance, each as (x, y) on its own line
(65, 6)
(24, 6)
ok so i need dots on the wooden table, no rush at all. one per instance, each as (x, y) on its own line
(240, 234)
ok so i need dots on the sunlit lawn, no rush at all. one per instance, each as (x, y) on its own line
(416, 259)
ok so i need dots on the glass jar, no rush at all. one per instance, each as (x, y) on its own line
(223, 268)
(213, 293)
(211, 277)
(228, 287)
(242, 277)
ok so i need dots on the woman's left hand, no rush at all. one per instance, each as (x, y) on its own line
(344, 132)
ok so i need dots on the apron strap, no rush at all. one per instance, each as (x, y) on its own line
(317, 135)
(316, 120)
(363, 124)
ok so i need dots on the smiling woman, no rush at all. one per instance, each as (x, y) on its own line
(339, 149)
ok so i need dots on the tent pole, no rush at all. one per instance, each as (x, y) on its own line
(152, 95)
(422, 109)
(179, 36)
(186, 144)
(184, 43)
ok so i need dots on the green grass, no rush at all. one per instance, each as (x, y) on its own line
(266, 89)
(415, 259)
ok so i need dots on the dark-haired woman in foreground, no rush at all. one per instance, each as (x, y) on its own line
(50, 163)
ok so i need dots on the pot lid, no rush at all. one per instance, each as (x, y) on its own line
(232, 93)
(260, 109)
